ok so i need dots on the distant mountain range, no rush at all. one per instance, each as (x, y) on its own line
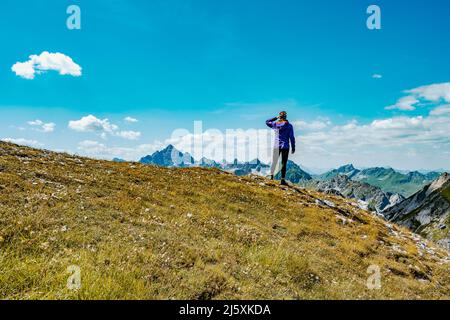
(426, 212)
(172, 157)
(387, 179)
(169, 157)
(368, 197)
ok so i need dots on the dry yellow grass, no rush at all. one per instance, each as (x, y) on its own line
(143, 232)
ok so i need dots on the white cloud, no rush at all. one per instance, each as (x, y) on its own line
(103, 127)
(311, 125)
(23, 142)
(42, 126)
(398, 131)
(130, 135)
(46, 61)
(397, 123)
(48, 127)
(377, 76)
(130, 120)
(435, 93)
(35, 123)
(407, 103)
(91, 123)
(445, 109)
(402, 142)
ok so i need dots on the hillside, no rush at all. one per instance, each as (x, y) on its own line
(427, 212)
(145, 232)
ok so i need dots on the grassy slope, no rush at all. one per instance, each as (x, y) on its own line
(446, 193)
(146, 232)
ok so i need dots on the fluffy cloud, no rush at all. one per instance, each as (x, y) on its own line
(23, 142)
(398, 131)
(442, 110)
(318, 124)
(102, 127)
(91, 123)
(407, 103)
(46, 61)
(130, 120)
(377, 76)
(435, 93)
(130, 135)
(412, 142)
(42, 126)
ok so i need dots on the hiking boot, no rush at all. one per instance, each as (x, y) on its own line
(283, 182)
(271, 177)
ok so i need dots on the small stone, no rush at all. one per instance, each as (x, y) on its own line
(329, 203)
(325, 203)
(189, 215)
(45, 245)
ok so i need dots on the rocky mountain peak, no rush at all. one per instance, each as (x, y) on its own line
(346, 168)
(442, 181)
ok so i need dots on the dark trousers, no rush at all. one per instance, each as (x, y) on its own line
(284, 159)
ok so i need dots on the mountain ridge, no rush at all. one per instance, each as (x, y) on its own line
(387, 179)
(368, 196)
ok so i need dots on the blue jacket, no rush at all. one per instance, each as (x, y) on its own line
(284, 133)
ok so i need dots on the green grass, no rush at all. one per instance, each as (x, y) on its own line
(143, 232)
(446, 194)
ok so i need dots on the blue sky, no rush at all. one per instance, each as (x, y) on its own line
(232, 64)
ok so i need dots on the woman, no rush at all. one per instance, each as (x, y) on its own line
(284, 133)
